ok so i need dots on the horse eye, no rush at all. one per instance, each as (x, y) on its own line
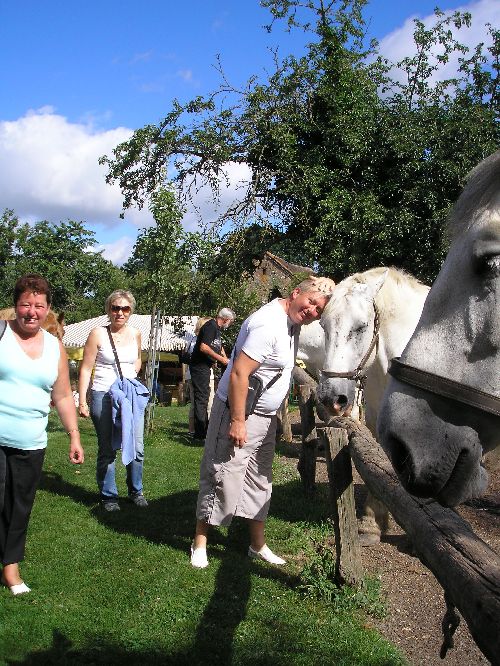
(486, 256)
(492, 265)
(487, 266)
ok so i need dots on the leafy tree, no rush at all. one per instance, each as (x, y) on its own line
(178, 272)
(158, 274)
(9, 225)
(353, 166)
(80, 278)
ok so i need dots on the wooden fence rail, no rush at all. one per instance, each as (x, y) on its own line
(465, 566)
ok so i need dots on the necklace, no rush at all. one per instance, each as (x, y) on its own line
(120, 334)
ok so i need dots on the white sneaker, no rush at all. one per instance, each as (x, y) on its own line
(266, 554)
(199, 558)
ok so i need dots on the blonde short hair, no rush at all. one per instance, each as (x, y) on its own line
(120, 293)
(322, 285)
(199, 324)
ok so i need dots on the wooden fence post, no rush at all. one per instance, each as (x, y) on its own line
(307, 459)
(348, 568)
(181, 394)
(284, 425)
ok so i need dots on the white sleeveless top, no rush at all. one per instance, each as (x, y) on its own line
(106, 370)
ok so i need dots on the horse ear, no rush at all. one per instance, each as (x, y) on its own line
(376, 286)
(60, 318)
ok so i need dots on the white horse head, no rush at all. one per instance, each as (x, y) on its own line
(311, 350)
(435, 442)
(368, 320)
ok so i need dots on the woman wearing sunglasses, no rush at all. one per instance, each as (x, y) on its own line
(99, 355)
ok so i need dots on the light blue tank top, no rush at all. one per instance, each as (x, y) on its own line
(25, 387)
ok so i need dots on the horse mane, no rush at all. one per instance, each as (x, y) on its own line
(479, 199)
(397, 281)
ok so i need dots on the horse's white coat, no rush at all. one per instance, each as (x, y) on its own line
(311, 349)
(348, 322)
(435, 444)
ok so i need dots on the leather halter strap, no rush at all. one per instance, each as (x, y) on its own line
(446, 388)
(357, 373)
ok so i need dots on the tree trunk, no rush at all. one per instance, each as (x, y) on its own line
(466, 567)
(349, 568)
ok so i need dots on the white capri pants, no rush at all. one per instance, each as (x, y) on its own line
(234, 481)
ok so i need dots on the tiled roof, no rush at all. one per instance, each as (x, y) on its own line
(287, 267)
(75, 335)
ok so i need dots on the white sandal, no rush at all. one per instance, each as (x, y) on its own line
(266, 554)
(199, 558)
(20, 588)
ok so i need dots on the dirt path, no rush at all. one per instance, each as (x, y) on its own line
(414, 598)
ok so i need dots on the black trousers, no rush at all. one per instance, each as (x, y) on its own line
(20, 473)
(200, 379)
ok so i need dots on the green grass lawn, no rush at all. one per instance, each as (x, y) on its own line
(119, 589)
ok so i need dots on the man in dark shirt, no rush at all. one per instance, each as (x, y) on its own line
(207, 351)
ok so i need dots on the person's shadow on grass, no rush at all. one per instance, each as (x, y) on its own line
(170, 521)
(167, 520)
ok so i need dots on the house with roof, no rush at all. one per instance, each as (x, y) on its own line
(172, 335)
(274, 277)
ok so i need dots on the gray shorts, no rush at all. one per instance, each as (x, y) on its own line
(233, 481)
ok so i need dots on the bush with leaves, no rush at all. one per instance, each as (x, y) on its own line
(354, 160)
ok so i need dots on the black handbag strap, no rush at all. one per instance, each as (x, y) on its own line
(3, 326)
(108, 328)
(271, 382)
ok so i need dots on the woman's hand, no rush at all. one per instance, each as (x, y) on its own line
(83, 410)
(76, 454)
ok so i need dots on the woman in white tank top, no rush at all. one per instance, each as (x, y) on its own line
(33, 371)
(98, 355)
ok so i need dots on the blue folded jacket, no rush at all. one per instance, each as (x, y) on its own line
(128, 401)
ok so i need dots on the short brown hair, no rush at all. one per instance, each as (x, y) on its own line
(34, 283)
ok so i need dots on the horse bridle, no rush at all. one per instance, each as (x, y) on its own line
(444, 387)
(357, 374)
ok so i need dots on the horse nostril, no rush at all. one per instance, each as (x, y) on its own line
(400, 456)
(404, 466)
(342, 400)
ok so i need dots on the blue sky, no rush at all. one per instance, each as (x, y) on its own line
(78, 77)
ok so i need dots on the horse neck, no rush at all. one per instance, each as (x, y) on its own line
(396, 328)
(398, 323)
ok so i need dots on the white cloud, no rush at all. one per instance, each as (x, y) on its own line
(399, 43)
(118, 251)
(146, 56)
(50, 170)
(234, 182)
(185, 75)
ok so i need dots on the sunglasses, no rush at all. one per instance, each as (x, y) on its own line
(126, 309)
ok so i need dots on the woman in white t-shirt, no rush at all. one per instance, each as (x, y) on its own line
(98, 355)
